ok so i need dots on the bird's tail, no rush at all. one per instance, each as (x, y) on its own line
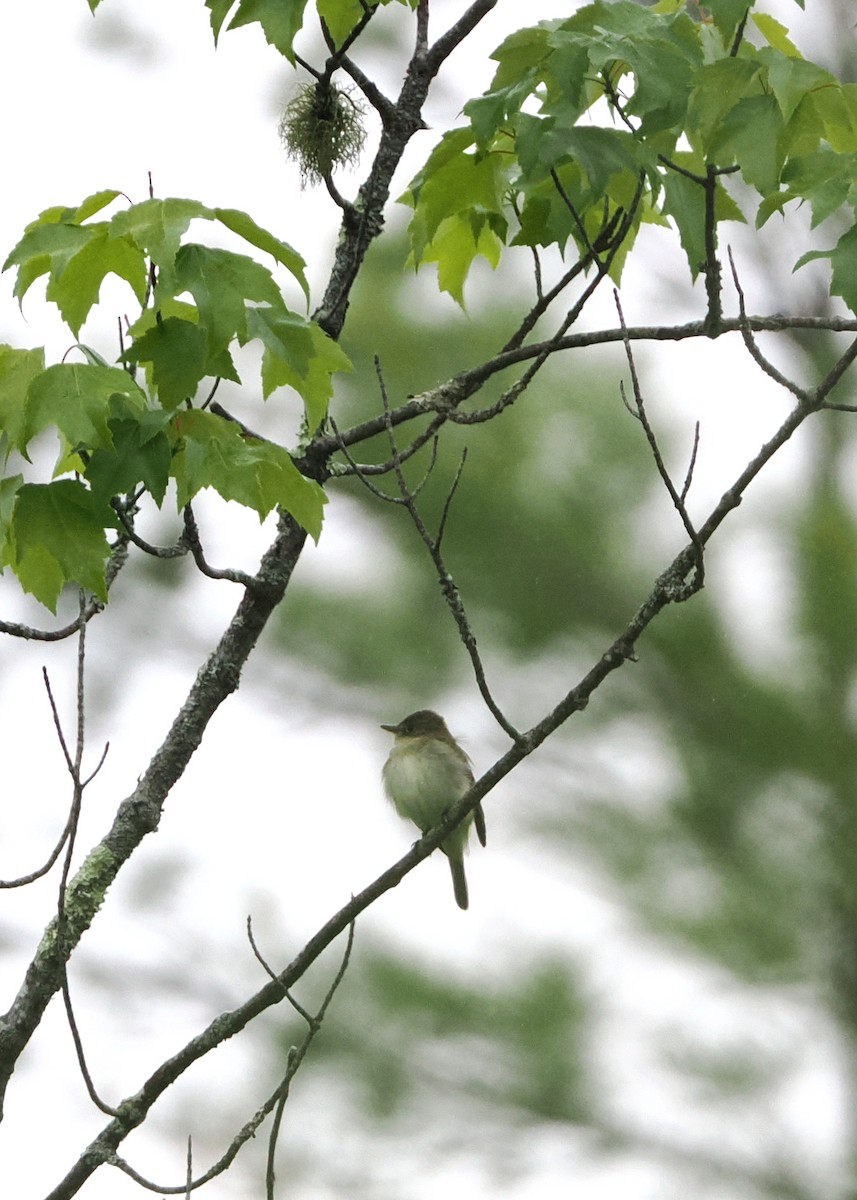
(459, 880)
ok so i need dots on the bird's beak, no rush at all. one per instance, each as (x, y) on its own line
(391, 728)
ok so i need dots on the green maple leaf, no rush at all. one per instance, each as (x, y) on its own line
(717, 89)
(157, 226)
(76, 399)
(46, 248)
(76, 287)
(843, 260)
(213, 452)
(280, 20)
(750, 133)
(243, 225)
(221, 283)
(141, 453)
(297, 354)
(455, 246)
(178, 353)
(340, 17)
(56, 536)
(18, 368)
(825, 179)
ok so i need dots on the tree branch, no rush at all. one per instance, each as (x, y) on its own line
(274, 1103)
(362, 224)
(117, 560)
(448, 395)
(669, 587)
(448, 586)
(140, 813)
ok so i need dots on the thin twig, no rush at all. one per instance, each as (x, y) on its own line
(296, 1005)
(179, 550)
(220, 411)
(335, 194)
(543, 304)
(274, 1137)
(691, 466)
(79, 1051)
(677, 498)
(71, 820)
(193, 543)
(296, 1057)
(739, 33)
(308, 67)
(429, 434)
(211, 394)
(117, 560)
(711, 266)
(444, 514)
(454, 36)
(74, 764)
(534, 251)
(248, 1130)
(575, 216)
(23, 880)
(818, 398)
(360, 472)
(189, 1174)
(750, 342)
(385, 107)
(448, 587)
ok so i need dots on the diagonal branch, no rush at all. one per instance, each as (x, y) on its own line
(140, 813)
(362, 223)
(274, 1103)
(668, 588)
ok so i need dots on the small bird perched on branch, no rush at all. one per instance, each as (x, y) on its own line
(425, 774)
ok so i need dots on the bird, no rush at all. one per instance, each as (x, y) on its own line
(425, 774)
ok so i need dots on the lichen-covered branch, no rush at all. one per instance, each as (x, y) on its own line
(140, 813)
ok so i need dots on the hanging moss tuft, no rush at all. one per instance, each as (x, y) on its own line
(322, 129)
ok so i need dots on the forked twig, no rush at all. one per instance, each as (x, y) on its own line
(448, 587)
(361, 471)
(297, 1055)
(554, 343)
(276, 1100)
(74, 764)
